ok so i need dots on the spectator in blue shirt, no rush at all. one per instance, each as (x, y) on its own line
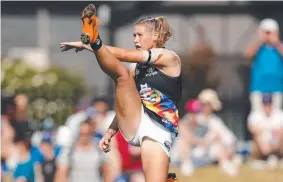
(267, 65)
(38, 154)
(27, 169)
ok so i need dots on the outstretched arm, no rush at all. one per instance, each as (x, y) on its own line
(156, 56)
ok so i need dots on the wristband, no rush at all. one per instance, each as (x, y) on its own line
(97, 44)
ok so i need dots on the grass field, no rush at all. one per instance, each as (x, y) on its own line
(247, 174)
(213, 174)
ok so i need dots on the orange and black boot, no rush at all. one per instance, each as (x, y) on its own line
(90, 24)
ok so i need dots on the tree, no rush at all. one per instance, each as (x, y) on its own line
(51, 93)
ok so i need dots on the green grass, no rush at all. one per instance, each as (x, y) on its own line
(247, 174)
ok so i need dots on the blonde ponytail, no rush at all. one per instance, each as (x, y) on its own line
(160, 26)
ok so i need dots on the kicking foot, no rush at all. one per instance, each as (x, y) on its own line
(90, 24)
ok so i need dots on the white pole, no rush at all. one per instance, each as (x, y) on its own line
(43, 30)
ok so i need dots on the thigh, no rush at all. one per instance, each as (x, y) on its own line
(155, 161)
(128, 107)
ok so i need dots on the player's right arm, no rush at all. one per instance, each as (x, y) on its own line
(104, 143)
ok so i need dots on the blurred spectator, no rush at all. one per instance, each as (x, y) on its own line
(9, 154)
(190, 133)
(48, 165)
(267, 65)
(199, 65)
(100, 113)
(130, 160)
(44, 147)
(26, 169)
(21, 117)
(7, 135)
(101, 116)
(48, 128)
(21, 102)
(267, 130)
(9, 110)
(73, 123)
(202, 53)
(84, 162)
(104, 115)
(220, 139)
(204, 138)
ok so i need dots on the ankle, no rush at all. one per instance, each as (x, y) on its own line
(97, 44)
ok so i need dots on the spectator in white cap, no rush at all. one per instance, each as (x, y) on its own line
(269, 25)
(267, 65)
(220, 140)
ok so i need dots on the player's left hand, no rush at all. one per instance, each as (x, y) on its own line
(78, 46)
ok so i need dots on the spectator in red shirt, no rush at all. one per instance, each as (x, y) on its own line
(130, 156)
